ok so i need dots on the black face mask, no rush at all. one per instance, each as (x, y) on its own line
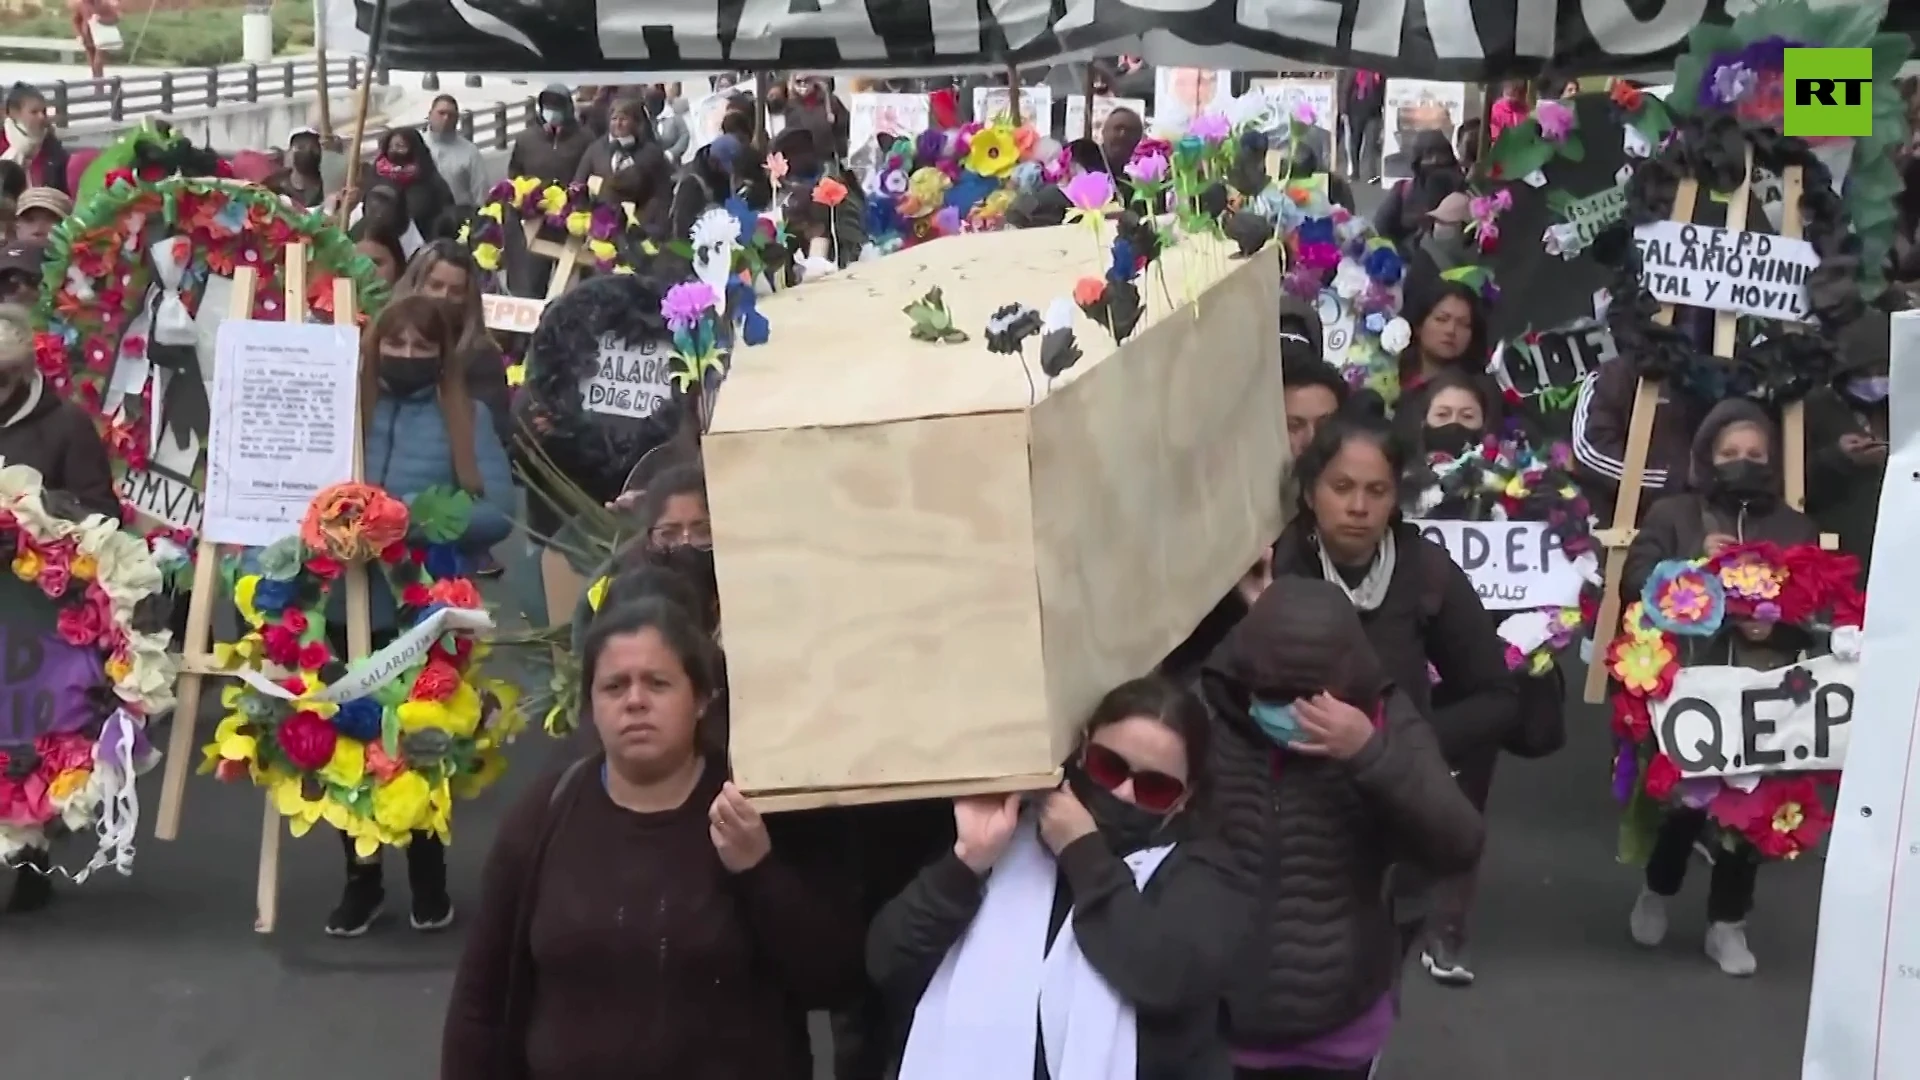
(1126, 827)
(1455, 439)
(1744, 482)
(400, 155)
(306, 161)
(408, 375)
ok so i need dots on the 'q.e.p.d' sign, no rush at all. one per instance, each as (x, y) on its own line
(1730, 721)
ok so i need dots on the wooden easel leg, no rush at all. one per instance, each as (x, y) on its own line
(186, 709)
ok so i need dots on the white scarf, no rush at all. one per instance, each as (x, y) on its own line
(21, 145)
(976, 1019)
(34, 389)
(1373, 588)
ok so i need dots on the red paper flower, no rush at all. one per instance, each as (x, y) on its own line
(415, 596)
(1781, 817)
(306, 740)
(1662, 775)
(436, 682)
(314, 656)
(1632, 719)
(230, 770)
(295, 620)
(1626, 95)
(457, 592)
(1088, 290)
(295, 685)
(281, 645)
(1816, 580)
(457, 656)
(323, 567)
(395, 553)
(80, 624)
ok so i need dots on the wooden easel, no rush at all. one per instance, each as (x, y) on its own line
(1646, 400)
(198, 664)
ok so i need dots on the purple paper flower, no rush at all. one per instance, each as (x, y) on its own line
(1695, 793)
(1626, 770)
(1732, 83)
(1090, 191)
(1212, 127)
(1303, 113)
(947, 221)
(1150, 169)
(1303, 282)
(1555, 120)
(606, 222)
(686, 304)
(928, 147)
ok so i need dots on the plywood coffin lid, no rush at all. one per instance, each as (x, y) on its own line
(840, 355)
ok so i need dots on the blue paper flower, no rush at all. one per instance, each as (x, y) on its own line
(1383, 264)
(1124, 266)
(1375, 323)
(359, 719)
(745, 306)
(1316, 231)
(272, 597)
(1189, 147)
(970, 191)
(443, 561)
(1682, 598)
(742, 213)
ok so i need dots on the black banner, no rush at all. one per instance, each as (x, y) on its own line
(1455, 40)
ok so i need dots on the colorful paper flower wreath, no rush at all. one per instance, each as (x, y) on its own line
(100, 275)
(1777, 815)
(380, 748)
(571, 208)
(77, 769)
(1682, 597)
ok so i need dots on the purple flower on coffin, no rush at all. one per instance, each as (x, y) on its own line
(686, 303)
(1211, 127)
(606, 223)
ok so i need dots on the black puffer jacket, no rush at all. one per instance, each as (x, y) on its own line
(1309, 839)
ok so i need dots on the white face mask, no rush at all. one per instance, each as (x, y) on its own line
(553, 117)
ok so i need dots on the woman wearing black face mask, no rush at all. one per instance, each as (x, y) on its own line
(980, 951)
(1847, 440)
(1736, 500)
(419, 430)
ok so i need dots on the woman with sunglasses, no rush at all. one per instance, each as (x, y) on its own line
(1326, 774)
(1080, 934)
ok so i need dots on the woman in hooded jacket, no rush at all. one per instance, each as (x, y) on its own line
(1324, 775)
(1736, 498)
(1420, 612)
(1436, 175)
(405, 163)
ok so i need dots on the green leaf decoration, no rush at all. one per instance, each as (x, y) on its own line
(390, 724)
(1520, 150)
(1560, 201)
(441, 514)
(1572, 149)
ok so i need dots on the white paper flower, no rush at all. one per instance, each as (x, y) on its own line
(1397, 336)
(1350, 280)
(1623, 174)
(1845, 642)
(1536, 178)
(715, 237)
(1634, 143)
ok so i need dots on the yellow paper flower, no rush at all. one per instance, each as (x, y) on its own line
(493, 210)
(1640, 663)
(400, 804)
(67, 783)
(118, 669)
(597, 593)
(524, 186)
(487, 256)
(1788, 817)
(553, 199)
(517, 375)
(1750, 580)
(465, 232)
(302, 813)
(992, 152)
(579, 222)
(1635, 623)
(348, 766)
(243, 599)
(599, 249)
(27, 564)
(487, 768)
(83, 567)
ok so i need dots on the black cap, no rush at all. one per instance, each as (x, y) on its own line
(21, 258)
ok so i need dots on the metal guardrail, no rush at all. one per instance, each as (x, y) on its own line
(490, 128)
(115, 98)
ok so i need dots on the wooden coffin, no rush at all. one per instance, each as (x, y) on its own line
(930, 569)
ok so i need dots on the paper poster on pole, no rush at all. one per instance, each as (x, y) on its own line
(1735, 721)
(1103, 106)
(1180, 94)
(284, 407)
(1284, 94)
(511, 314)
(1750, 273)
(1866, 968)
(1513, 564)
(1415, 105)
(991, 103)
(901, 115)
(629, 380)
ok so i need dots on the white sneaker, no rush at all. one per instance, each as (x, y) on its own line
(1649, 919)
(1727, 946)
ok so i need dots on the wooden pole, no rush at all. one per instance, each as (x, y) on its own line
(320, 57)
(1013, 95)
(375, 42)
(762, 86)
(1086, 120)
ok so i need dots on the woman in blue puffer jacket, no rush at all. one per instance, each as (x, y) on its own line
(421, 430)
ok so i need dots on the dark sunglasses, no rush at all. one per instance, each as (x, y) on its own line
(1154, 791)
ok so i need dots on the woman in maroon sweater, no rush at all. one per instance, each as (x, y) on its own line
(636, 922)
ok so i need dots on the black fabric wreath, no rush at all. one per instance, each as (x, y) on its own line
(1775, 366)
(596, 450)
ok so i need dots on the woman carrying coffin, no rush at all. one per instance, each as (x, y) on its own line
(639, 919)
(1467, 473)
(1324, 774)
(1421, 613)
(1080, 934)
(1736, 499)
